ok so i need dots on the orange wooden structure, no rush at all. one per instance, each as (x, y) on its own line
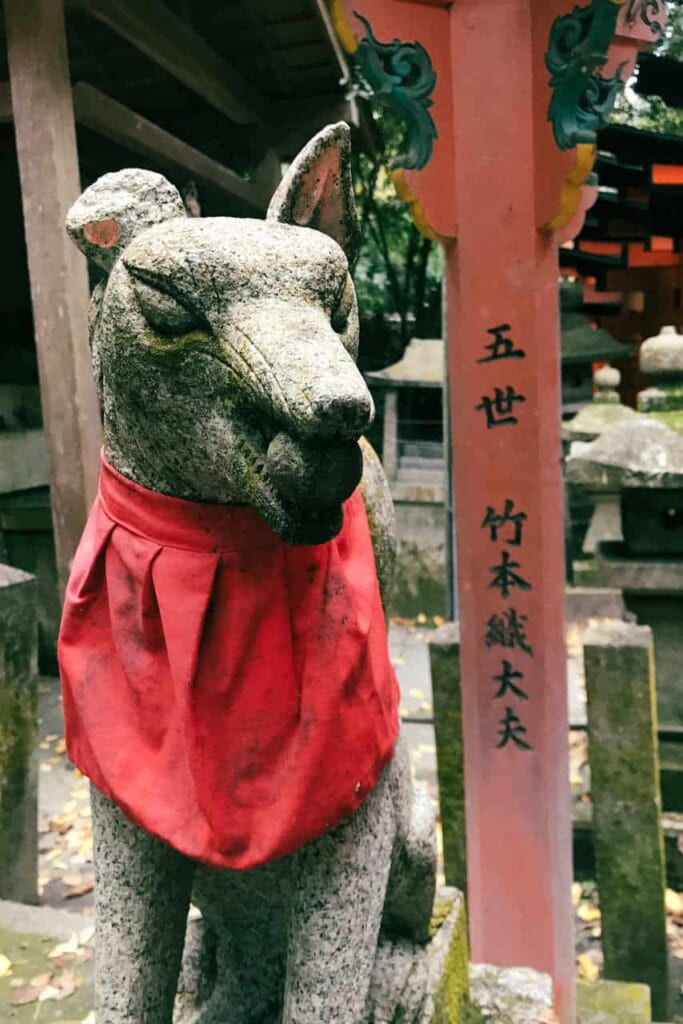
(628, 253)
(505, 185)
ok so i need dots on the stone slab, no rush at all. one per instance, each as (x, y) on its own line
(625, 791)
(18, 736)
(618, 569)
(444, 653)
(582, 603)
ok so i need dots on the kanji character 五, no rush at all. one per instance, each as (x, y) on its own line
(501, 347)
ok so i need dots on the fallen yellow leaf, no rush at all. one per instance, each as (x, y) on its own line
(588, 913)
(5, 965)
(41, 980)
(24, 996)
(673, 902)
(588, 969)
(70, 946)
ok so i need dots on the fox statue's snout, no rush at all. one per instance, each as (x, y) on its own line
(241, 333)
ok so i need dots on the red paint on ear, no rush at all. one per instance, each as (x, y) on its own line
(102, 233)
(319, 203)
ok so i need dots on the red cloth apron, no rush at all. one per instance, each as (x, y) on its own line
(231, 693)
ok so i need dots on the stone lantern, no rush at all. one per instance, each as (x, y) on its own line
(594, 512)
(661, 358)
(642, 459)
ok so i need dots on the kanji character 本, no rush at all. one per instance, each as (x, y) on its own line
(505, 577)
(495, 522)
(501, 347)
(508, 630)
(499, 408)
(506, 679)
(511, 731)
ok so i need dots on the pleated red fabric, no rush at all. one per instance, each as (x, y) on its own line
(231, 693)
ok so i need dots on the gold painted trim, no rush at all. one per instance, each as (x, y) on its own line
(342, 25)
(415, 207)
(570, 199)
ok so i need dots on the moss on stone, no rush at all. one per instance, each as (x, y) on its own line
(613, 1002)
(672, 418)
(622, 723)
(451, 998)
(18, 738)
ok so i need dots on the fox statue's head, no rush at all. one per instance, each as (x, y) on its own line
(224, 348)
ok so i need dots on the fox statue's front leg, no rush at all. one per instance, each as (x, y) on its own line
(142, 896)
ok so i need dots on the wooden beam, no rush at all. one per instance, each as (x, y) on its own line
(152, 28)
(333, 40)
(48, 170)
(101, 114)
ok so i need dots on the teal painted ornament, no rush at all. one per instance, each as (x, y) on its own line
(582, 98)
(400, 76)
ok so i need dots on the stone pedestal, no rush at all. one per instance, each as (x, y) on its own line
(18, 737)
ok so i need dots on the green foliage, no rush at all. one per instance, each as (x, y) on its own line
(398, 271)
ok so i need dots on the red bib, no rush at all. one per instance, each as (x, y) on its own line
(231, 693)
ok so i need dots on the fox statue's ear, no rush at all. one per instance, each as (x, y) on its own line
(116, 208)
(317, 190)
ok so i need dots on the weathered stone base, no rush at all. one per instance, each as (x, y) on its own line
(510, 995)
(412, 984)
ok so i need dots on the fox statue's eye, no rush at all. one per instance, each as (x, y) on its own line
(344, 307)
(165, 313)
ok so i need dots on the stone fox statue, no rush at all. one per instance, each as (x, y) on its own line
(226, 681)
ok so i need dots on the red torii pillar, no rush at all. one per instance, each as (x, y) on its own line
(501, 195)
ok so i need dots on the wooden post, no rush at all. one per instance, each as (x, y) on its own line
(629, 843)
(48, 168)
(506, 97)
(505, 423)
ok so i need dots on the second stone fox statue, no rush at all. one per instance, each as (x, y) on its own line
(227, 685)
